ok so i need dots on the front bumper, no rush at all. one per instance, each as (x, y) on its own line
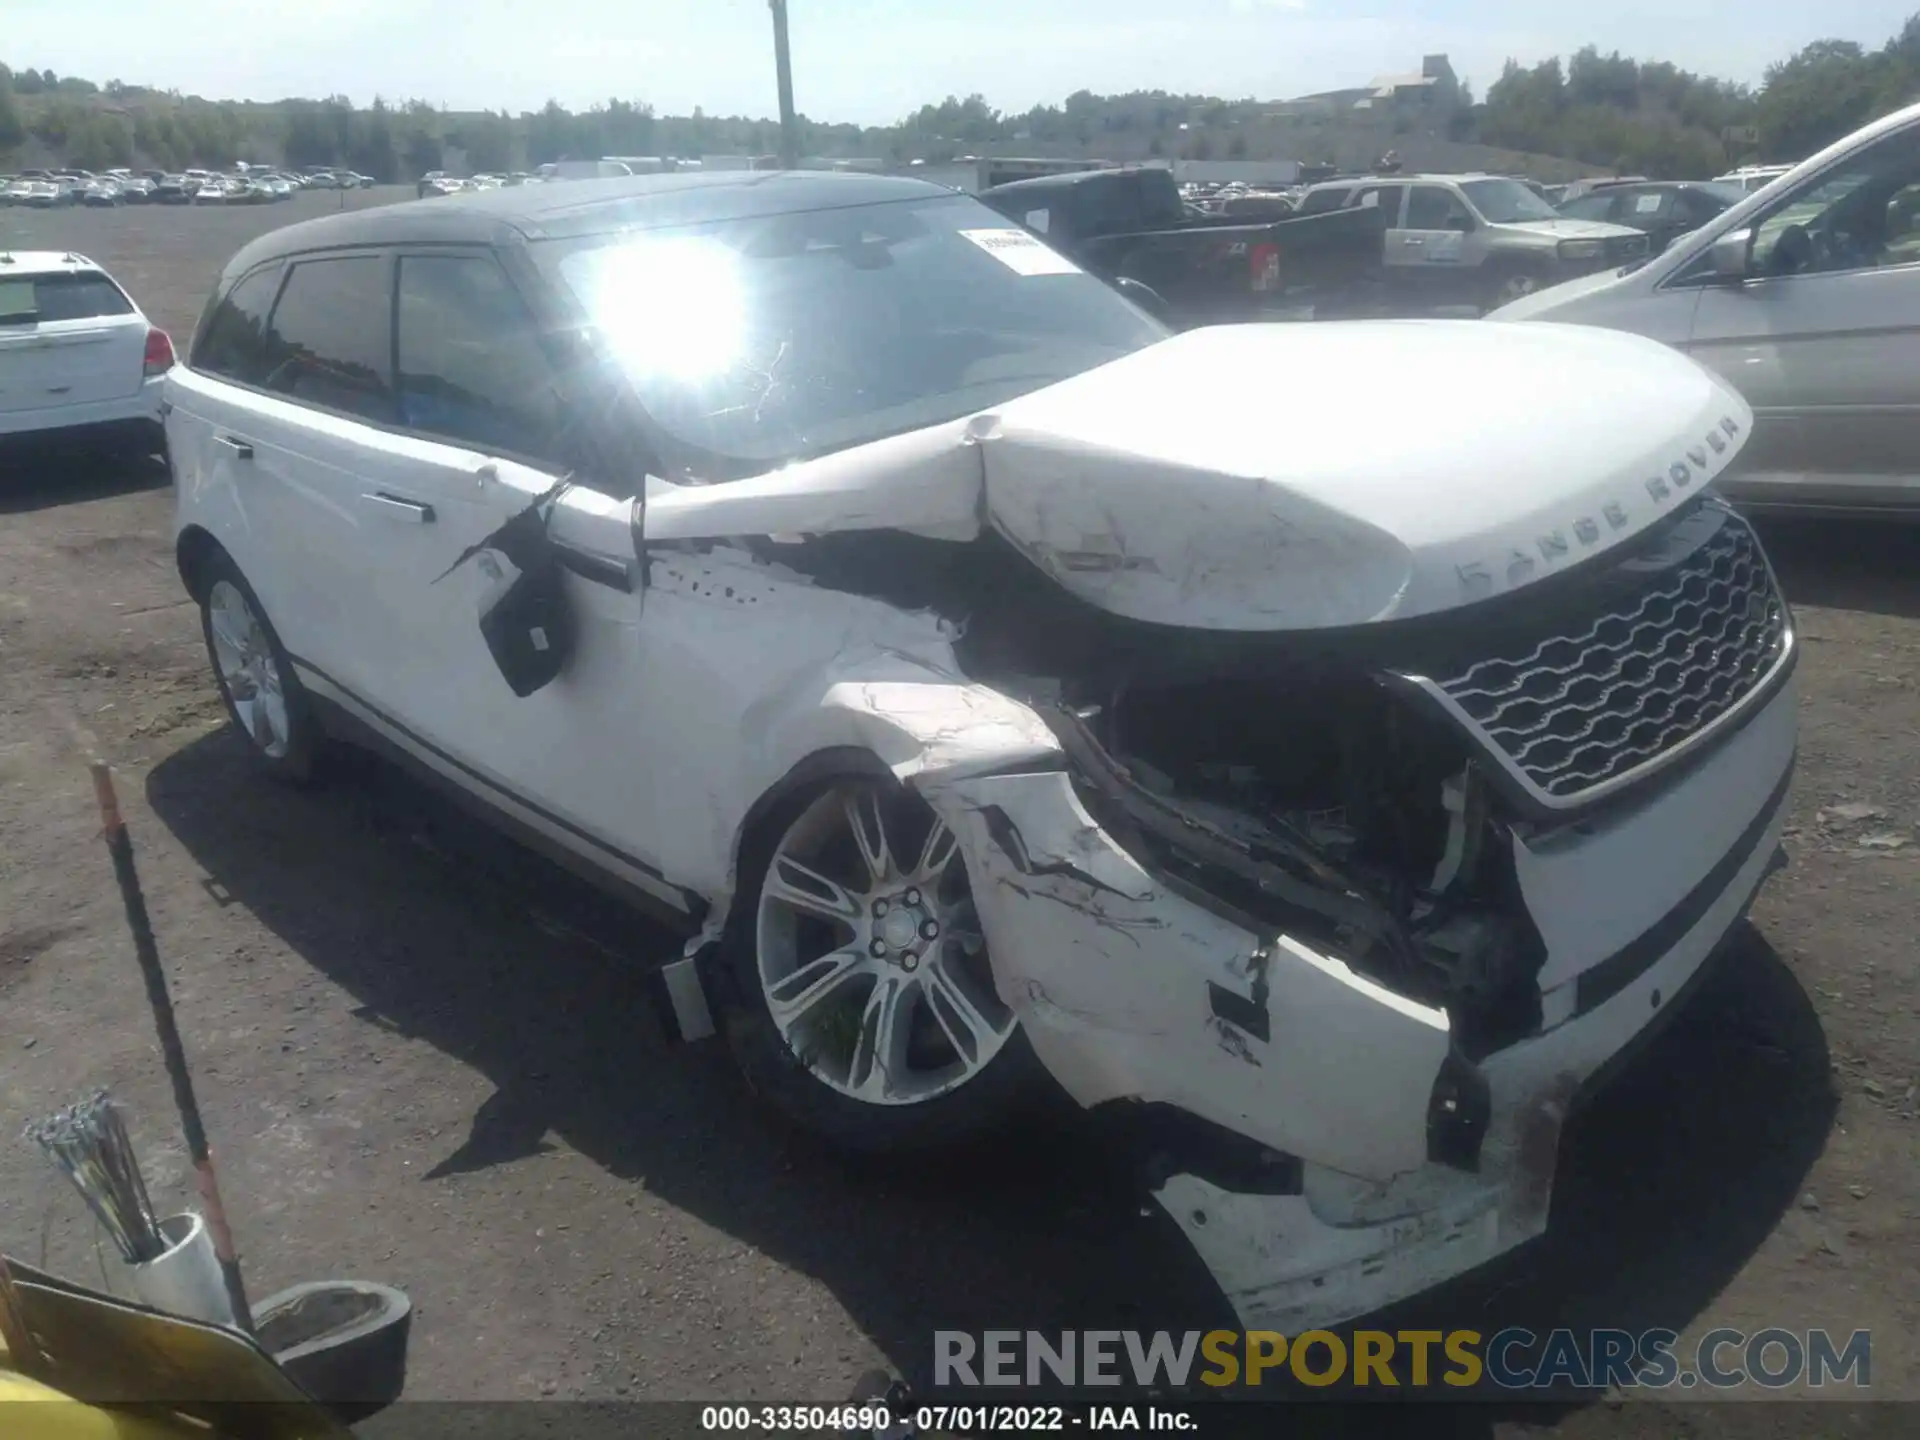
(1130, 991)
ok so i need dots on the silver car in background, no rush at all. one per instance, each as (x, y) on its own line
(1806, 297)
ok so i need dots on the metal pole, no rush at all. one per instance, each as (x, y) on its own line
(783, 67)
(120, 847)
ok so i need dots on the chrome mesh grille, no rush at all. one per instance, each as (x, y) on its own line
(1580, 709)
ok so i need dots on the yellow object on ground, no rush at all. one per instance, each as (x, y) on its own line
(90, 1366)
(32, 1411)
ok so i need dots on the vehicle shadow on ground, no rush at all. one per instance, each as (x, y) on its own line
(1669, 1182)
(1847, 564)
(41, 477)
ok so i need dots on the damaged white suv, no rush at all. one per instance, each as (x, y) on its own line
(1007, 689)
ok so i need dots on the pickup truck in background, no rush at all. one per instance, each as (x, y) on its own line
(1479, 240)
(1131, 224)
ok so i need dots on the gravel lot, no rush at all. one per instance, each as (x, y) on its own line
(427, 1059)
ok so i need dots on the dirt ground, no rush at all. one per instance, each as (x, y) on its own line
(426, 1059)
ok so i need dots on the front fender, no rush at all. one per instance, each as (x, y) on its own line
(1130, 991)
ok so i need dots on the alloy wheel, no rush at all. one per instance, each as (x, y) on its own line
(248, 671)
(1514, 287)
(869, 950)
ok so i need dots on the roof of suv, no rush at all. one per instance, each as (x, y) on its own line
(15, 263)
(1353, 182)
(565, 208)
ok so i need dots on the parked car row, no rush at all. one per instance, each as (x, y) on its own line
(438, 182)
(47, 189)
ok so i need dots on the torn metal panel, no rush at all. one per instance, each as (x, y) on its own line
(1349, 1244)
(1111, 975)
(1160, 486)
(926, 482)
(940, 729)
(1283, 1268)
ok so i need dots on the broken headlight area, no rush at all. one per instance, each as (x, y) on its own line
(1314, 802)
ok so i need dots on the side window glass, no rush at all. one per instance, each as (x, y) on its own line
(1108, 206)
(1847, 219)
(471, 366)
(1388, 198)
(330, 340)
(1037, 220)
(1588, 207)
(231, 341)
(1428, 208)
(1903, 226)
(1646, 206)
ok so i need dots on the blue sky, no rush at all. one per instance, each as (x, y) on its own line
(874, 60)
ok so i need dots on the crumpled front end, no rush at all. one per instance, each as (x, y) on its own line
(1358, 960)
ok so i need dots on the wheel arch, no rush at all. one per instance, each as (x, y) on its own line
(193, 550)
(838, 762)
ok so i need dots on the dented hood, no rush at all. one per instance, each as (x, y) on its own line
(1270, 477)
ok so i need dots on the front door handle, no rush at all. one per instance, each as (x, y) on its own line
(240, 448)
(397, 507)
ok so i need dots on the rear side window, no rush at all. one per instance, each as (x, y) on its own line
(1318, 202)
(471, 366)
(232, 338)
(45, 299)
(1387, 197)
(1431, 208)
(1589, 207)
(330, 341)
(1106, 205)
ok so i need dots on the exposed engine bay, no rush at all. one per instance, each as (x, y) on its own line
(1323, 774)
(1287, 782)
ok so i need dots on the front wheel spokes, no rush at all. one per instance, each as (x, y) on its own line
(879, 1054)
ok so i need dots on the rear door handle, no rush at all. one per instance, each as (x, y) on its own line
(240, 448)
(397, 507)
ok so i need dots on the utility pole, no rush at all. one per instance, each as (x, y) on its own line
(783, 65)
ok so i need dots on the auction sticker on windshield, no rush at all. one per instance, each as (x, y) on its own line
(1021, 253)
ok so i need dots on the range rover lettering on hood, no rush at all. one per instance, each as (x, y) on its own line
(1267, 477)
(1477, 577)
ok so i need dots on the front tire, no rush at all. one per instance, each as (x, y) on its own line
(860, 1000)
(264, 698)
(1510, 285)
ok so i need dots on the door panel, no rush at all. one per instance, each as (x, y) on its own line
(564, 759)
(239, 476)
(396, 512)
(1820, 341)
(1826, 361)
(1426, 245)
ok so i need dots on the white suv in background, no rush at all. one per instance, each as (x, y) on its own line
(76, 354)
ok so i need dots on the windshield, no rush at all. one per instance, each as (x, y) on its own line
(757, 342)
(1506, 202)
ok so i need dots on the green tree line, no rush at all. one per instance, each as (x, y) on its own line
(1652, 118)
(1649, 117)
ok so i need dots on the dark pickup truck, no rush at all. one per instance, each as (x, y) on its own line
(1132, 224)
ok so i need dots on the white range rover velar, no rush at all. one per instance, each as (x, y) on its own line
(1329, 746)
